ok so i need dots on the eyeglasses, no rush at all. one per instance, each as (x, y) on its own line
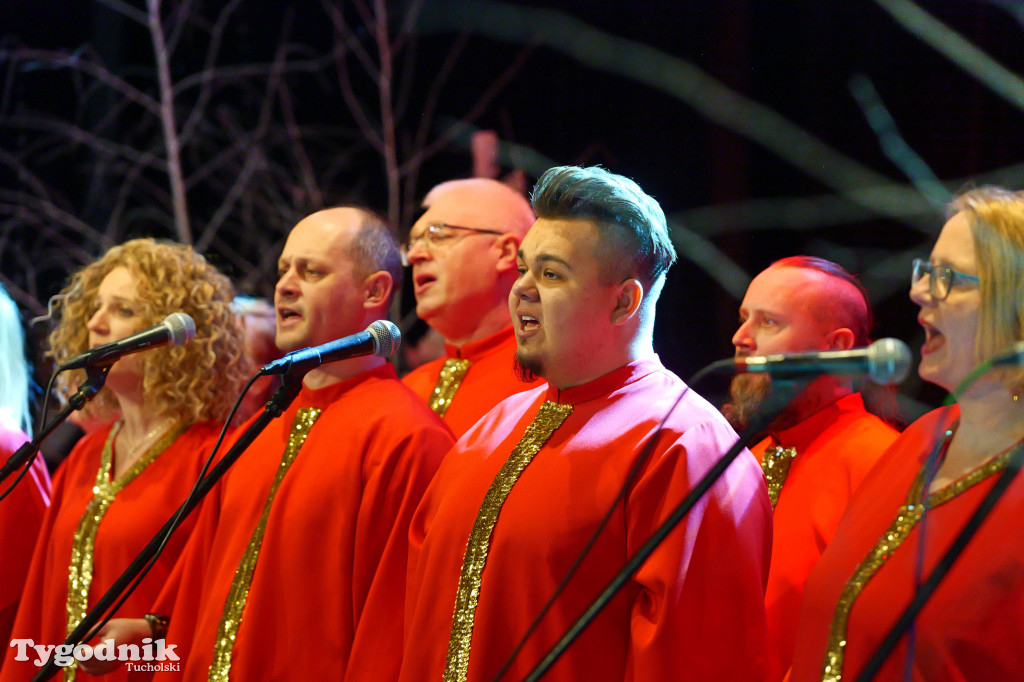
(941, 278)
(436, 234)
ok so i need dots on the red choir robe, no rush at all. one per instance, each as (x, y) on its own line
(836, 447)
(971, 627)
(327, 594)
(133, 518)
(490, 379)
(21, 517)
(693, 611)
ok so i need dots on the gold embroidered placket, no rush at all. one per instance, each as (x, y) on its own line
(452, 374)
(775, 463)
(82, 548)
(227, 630)
(907, 517)
(549, 417)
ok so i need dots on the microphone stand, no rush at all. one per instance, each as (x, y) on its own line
(94, 380)
(780, 396)
(275, 406)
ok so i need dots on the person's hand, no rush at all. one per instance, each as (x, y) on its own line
(121, 631)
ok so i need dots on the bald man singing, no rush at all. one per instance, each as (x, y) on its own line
(821, 446)
(463, 257)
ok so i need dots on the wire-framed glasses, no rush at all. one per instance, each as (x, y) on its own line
(436, 234)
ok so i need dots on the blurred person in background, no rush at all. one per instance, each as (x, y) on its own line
(21, 512)
(462, 252)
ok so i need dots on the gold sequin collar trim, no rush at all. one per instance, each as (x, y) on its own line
(231, 620)
(83, 546)
(775, 463)
(549, 417)
(907, 517)
(448, 382)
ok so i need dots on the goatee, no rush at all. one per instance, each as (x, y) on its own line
(527, 369)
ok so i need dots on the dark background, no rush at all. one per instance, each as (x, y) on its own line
(794, 60)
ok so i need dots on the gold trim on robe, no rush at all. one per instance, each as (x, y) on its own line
(234, 605)
(907, 517)
(549, 417)
(104, 492)
(775, 463)
(448, 382)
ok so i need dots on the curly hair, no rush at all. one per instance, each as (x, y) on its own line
(996, 217)
(194, 382)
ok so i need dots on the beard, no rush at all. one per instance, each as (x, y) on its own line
(747, 394)
(527, 369)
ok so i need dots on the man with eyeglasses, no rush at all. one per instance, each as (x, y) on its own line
(463, 257)
(821, 446)
(585, 469)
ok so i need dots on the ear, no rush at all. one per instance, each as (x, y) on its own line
(507, 246)
(628, 297)
(377, 289)
(840, 339)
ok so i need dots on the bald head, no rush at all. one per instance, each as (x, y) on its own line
(838, 298)
(480, 202)
(796, 305)
(335, 276)
(462, 277)
(802, 304)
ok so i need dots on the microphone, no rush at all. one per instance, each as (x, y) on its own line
(177, 329)
(381, 338)
(886, 361)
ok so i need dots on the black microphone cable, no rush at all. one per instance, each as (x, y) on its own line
(633, 471)
(177, 519)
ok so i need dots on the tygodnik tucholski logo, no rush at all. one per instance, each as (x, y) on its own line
(151, 656)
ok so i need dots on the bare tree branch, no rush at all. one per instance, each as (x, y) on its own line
(672, 75)
(893, 144)
(179, 202)
(957, 49)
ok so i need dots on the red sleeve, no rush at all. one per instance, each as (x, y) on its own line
(393, 487)
(700, 611)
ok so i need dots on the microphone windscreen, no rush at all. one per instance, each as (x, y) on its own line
(889, 361)
(182, 328)
(386, 337)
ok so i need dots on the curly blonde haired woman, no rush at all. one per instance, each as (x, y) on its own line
(122, 482)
